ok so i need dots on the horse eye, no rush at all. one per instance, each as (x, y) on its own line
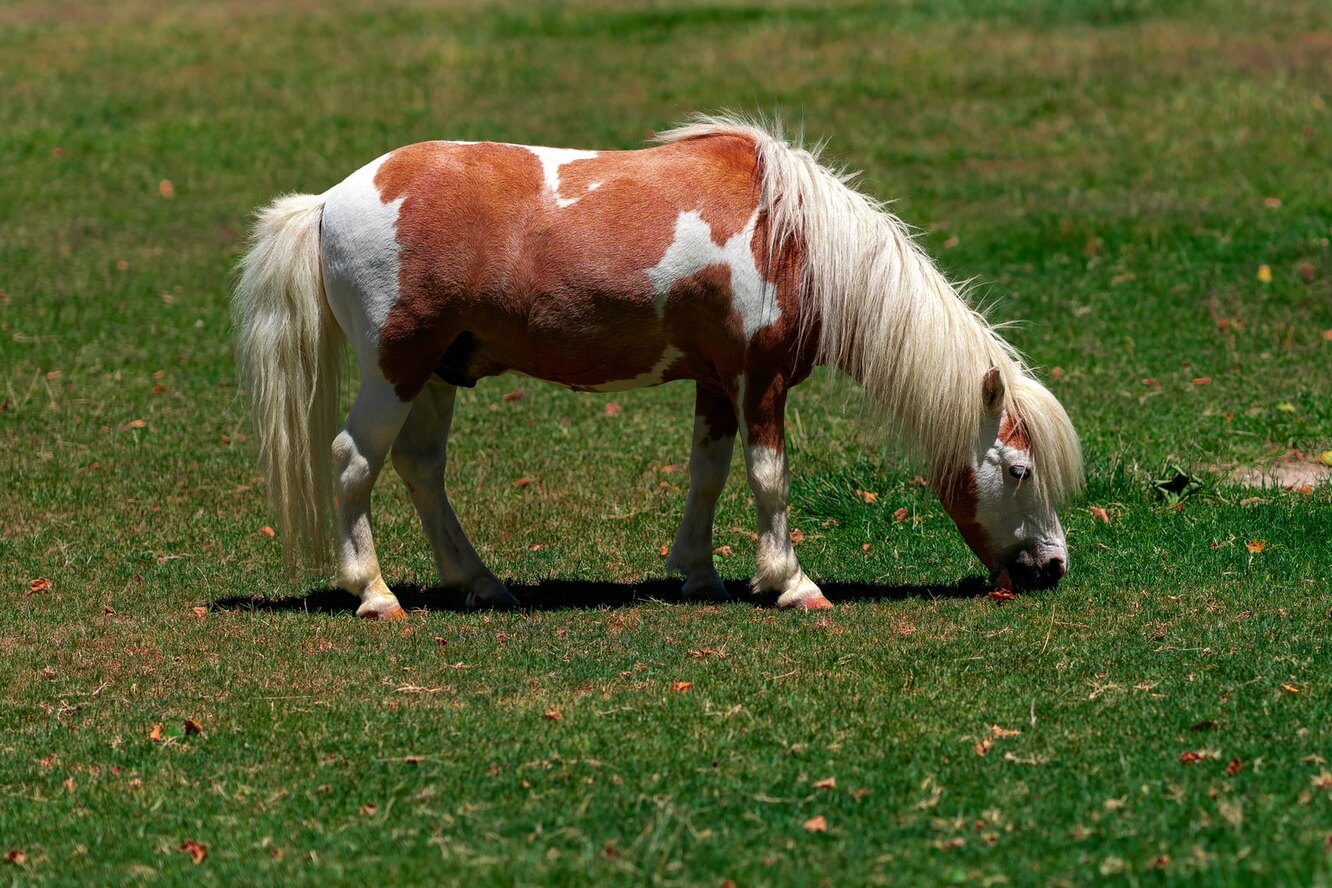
(1019, 472)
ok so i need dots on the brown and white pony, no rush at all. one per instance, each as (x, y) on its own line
(722, 255)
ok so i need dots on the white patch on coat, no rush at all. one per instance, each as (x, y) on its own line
(360, 257)
(651, 377)
(551, 161)
(692, 249)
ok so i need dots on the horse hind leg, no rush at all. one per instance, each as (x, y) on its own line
(359, 451)
(709, 464)
(420, 454)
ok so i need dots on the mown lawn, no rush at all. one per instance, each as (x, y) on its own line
(1142, 186)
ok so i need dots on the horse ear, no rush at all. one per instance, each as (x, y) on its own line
(992, 391)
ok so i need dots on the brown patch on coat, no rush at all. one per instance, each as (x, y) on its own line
(559, 293)
(959, 495)
(1013, 431)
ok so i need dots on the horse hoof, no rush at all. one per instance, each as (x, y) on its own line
(812, 603)
(381, 611)
(705, 589)
(491, 593)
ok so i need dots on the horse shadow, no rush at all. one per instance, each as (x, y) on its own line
(562, 594)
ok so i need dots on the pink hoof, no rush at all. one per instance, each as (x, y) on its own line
(393, 611)
(815, 603)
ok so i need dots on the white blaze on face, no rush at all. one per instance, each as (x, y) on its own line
(551, 161)
(692, 249)
(360, 252)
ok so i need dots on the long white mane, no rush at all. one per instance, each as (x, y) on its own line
(888, 317)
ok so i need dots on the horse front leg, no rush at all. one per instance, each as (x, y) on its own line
(709, 464)
(763, 431)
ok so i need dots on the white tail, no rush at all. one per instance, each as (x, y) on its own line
(288, 350)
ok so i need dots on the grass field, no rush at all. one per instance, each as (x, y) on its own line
(1143, 185)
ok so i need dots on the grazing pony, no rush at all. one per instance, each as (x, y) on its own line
(721, 255)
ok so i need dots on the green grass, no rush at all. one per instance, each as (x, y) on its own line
(1103, 169)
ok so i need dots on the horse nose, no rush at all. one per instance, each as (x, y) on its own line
(1054, 568)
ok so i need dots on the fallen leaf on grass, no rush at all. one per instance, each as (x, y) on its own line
(797, 537)
(900, 515)
(983, 746)
(1002, 594)
(1234, 767)
(201, 613)
(267, 531)
(1322, 780)
(997, 731)
(536, 547)
(723, 551)
(817, 823)
(681, 687)
(369, 809)
(665, 551)
(1192, 757)
(513, 395)
(1290, 689)
(1203, 380)
(522, 482)
(16, 857)
(1256, 546)
(196, 851)
(865, 548)
(1265, 274)
(1099, 514)
(193, 727)
(613, 409)
(155, 734)
(826, 783)
(552, 715)
(41, 584)
(867, 496)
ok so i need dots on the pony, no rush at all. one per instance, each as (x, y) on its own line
(721, 254)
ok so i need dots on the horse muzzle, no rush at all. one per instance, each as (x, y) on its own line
(1039, 567)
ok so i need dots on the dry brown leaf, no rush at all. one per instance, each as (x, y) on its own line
(16, 856)
(826, 783)
(681, 687)
(513, 395)
(192, 727)
(369, 809)
(1203, 380)
(1099, 514)
(1056, 372)
(552, 715)
(1256, 546)
(522, 482)
(867, 496)
(167, 190)
(201, 613)
(1002, 594)
(155, 734)
(665, 551)
(797, 537)
(41, 584)
(817, 823)
(900, 515)
(536, 547)
(613, 409)
(196, 850)
(865, 547)
(983, 746)
(267, 531)
(1234, 767)
(1290, 689)
(723, 551)
(997, 731)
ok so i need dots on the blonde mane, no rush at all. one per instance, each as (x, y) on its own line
(888, 317)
